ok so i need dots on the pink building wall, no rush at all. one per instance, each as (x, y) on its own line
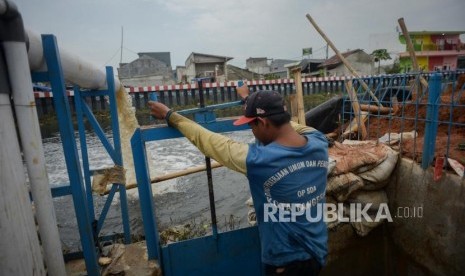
(451, 61)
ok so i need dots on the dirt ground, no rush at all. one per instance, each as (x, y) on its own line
(455, 113)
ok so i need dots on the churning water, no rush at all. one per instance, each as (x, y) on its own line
(177, 201)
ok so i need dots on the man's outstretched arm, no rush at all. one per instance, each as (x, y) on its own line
(224, 150)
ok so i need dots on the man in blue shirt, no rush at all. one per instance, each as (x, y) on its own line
(287, 177)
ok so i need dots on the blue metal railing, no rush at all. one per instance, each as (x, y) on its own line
(113, 150)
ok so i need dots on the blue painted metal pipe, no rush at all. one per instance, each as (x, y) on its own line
(145, 195)
(56, 78)
(431, 126)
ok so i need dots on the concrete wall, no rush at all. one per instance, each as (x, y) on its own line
(436, 241)
(426, 242)
(200, 65)
(144, 66)
(258, 65)
(350, 254)
(181, 74)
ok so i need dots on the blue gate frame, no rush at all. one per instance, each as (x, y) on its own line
(228, 253)
(79, 187)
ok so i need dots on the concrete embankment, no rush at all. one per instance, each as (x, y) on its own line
(437, 239)
(426, 236)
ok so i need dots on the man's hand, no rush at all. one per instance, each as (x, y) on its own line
(243, 91)
(158, 110)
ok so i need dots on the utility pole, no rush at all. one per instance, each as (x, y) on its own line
(121, 57)
(327, 51)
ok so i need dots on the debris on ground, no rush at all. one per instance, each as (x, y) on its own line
(119, 259)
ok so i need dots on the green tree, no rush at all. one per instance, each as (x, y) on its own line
(379, 55)
(395, 68)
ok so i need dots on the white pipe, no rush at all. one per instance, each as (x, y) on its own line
(31, 140)
(75, 69)
(20, 249)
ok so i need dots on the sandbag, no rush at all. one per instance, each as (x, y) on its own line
(331, 165)
(341, 186)
(357, 157)
(378, 177)
(394, 138)
(376, 198)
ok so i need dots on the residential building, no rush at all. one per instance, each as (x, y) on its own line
(149, 69)
(258, 65)
(205, 65)
(181, 74)
(441, 50)
(164, 57)
(278, 69)
(360, 61)
(236, 73)
(308, 67)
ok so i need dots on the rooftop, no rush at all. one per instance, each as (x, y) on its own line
(335, 60)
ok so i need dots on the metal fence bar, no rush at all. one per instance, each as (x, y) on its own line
(431, 126)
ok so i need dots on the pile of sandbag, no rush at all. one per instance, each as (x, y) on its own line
(358, 171)
(362, 170)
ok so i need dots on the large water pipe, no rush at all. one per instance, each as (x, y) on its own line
(13, 44)
(20, 252)
(75, 69)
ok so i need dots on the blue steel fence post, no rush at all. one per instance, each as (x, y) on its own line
(431, 126)
(147, 206)
(84, 152)
(117, 146)
(60, 99)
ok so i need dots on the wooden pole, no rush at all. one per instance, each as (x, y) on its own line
(343, 59)
(293, 100)
(300, 96)
(169, 176)
(409, 43)
(381, 110)
(356, 108)
(411, 50)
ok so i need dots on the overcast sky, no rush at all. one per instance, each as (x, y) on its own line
(240, 29)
